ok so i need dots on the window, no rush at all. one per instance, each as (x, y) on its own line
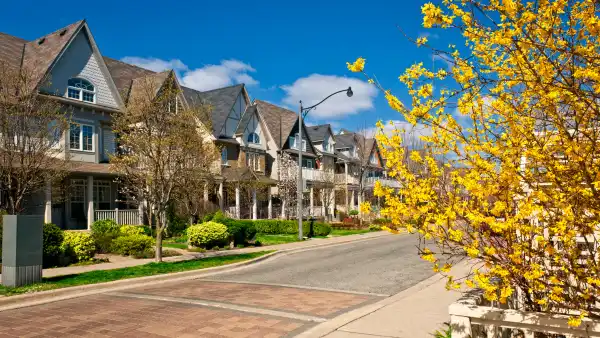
(372, 159)
(81, 137)
(294, 143)
(224, 160)
(326, 145)
(77, 199)
(82, 90)
(310, 164)
(253, 138)
(102, 195)
(253, 161)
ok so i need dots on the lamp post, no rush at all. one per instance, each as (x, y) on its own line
(301, 114)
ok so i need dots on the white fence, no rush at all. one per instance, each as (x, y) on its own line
(470, 319)
(129, 216)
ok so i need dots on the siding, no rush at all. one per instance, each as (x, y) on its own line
(79, 61)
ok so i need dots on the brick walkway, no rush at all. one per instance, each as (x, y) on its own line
(225, 309)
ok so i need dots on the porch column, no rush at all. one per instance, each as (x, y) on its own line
(270, 206)
(205, 193)
(312, 201)
(254, 205)
(352, 201)
(283, 202)
(221, 196)
(346, 186)
(90, 199)
(48, 205)
(237, 201)
(141, 212)
(332, 204)
(323, 202)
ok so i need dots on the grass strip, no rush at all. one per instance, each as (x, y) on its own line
(150, 269)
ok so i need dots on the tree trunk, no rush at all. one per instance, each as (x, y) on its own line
(160, 226)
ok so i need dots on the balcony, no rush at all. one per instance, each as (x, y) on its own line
(348, 179)
(317, 175)
(370, 181)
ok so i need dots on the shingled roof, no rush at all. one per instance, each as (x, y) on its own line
(318, 133)
(344, 140)
(221, 100)
(38, 55)
(280, 121)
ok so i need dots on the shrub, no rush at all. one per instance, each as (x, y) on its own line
(280, 227)
(219, 217)
(103, 233)
(132, 245)
(374, 227)
(241, 231)
(126, 230)
(52, 237)
(208, 217)
(382, 221)
(78, 246)
(353, 212)
(207, 235)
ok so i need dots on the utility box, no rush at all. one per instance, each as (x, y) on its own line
(22, 249)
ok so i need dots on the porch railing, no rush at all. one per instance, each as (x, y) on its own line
(370, 181)
(471, 317)
(126, 216)
(343, 178)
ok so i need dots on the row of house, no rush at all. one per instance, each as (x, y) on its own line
(252, 135)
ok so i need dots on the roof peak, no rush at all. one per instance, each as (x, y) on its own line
(227, 87)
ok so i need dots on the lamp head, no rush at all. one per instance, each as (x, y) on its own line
(349, 92)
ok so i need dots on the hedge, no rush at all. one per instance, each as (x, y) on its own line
(104, 232)
(132, 245)
(278, 227)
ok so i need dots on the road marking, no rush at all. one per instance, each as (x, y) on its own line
(208, 303)
(295, 287)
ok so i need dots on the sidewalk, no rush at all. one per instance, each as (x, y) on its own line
(415, 312)
(73, 270)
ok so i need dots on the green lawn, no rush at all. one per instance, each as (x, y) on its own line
(150, 269)
(266, 239)
(342, 232)
(176, 242)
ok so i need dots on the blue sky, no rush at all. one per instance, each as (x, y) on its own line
(283, 50)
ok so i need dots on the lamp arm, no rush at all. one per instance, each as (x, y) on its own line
(313, 106)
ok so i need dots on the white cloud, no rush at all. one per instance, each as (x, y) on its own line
(315, 87)
(227, 73)
(407, 130)
(447, 60)
(154, 64)
(429, 35)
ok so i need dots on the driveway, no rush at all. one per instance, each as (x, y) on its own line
(276, 298)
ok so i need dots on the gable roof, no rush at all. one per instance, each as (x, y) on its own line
(279, 121)
(124, 73)
(344, 140)
(246, 116)
(221, 100)
(318, 133)
(11, 50)
(40, 54)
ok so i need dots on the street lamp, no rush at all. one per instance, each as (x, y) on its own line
(301, 115)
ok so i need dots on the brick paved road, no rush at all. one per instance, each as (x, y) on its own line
(198, 308)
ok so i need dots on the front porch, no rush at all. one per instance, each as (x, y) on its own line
(246, 194)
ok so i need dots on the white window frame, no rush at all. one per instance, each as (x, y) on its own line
(81, 90)
(296, 142)
(255, 136)
(81, 125)
(224, 162)
(253, 161)
(312, 164)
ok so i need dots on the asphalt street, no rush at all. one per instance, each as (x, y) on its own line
(385, 265)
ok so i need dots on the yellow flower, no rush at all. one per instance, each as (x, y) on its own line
(574, 321)
(394, 102)
(357, 66)
(365, 208)
(421, 41)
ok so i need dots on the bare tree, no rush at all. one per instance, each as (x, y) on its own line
(287, 183)
(32, 154)
(163, 146)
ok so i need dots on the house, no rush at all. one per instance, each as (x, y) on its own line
(80, 79)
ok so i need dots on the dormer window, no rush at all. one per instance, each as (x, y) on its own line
(82, 90)
(253, 138)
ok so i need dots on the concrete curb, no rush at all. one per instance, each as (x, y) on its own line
(43, 297)
(334, 324)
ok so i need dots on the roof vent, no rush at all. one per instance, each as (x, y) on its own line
(63, 32)
(41, 41)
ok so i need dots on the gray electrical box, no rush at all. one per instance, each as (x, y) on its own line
(22, 245)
